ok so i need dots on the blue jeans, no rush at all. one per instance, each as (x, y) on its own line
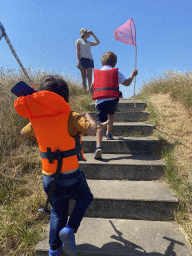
(69, 186)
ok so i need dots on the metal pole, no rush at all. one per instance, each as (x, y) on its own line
(135, 76)
(18, 60)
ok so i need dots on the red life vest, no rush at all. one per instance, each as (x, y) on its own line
(48, 112)
(105, 84)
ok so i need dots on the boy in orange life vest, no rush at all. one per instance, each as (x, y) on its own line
(42, 105)
(105, 89)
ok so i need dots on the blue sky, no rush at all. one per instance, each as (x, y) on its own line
(43, 34)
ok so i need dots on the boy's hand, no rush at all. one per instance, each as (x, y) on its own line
(134, 73)
(101, 125)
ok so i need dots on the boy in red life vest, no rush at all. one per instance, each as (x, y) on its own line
(105, 89)
(54, 124)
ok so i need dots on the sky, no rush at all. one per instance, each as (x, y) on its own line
(43, 34)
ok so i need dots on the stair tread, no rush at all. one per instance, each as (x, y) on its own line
(119, 138)
(130, 112)
(97, 236)
(123, 159)
(132, 124)
(131, 190)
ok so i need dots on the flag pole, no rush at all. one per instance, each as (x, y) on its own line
(135, 68)
(2, 30)
(18, 60)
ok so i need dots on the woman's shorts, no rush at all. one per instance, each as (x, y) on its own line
(87, 63)
(106, 107)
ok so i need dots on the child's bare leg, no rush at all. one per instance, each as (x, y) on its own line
(83, 76)
(89, 76)
(99, 135)
(110, 125)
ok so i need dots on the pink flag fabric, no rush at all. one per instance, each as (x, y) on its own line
(126, 33)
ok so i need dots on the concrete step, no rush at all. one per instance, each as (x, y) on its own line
(122, 145)
(131, 129)
(145, 200)
(111, 237)
(123, 166)
(136, 116)
(128, 105)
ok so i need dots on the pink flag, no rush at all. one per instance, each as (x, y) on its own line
(126, 33)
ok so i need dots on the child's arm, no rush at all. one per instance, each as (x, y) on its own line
(94, 125)
(128, 81)
(28, 131)
(83, 124)
(96, 39)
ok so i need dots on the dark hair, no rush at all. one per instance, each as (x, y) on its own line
(56, 85)
(109, 58)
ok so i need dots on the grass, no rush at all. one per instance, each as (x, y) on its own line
(175, 83)
(169, 100)
(153, 118)
(21, 194)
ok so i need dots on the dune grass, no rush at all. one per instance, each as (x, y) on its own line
(169, 101)
(175, 83)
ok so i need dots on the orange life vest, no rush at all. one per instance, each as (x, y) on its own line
(105, 84)
(48, 112)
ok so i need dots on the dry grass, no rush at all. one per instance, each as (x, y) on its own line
(175, 128)
(176, 124)
(169, 100)
(21, 194)
(177, 84)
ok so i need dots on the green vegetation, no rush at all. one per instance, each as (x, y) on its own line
(178, 86)
(178, 182)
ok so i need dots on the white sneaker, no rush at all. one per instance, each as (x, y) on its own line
(98, 153)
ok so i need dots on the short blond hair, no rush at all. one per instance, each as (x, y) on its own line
(109, 58)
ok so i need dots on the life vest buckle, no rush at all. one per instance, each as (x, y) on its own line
(58, 155)
(50, 155)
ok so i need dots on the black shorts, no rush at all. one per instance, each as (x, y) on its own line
(87, 63)
(106, 107)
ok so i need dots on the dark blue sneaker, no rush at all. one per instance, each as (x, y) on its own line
(55, 253)
(68, 239)
(109, 136)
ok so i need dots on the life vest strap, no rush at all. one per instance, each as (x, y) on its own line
(106, 88)
(57, 155)
(54, 183)
(78, 148)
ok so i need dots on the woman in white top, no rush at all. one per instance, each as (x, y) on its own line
(84, 56)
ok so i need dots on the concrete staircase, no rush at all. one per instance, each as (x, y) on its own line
(132, 212)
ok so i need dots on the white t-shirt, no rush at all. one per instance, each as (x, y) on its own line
(85, 49)
(121, 79)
